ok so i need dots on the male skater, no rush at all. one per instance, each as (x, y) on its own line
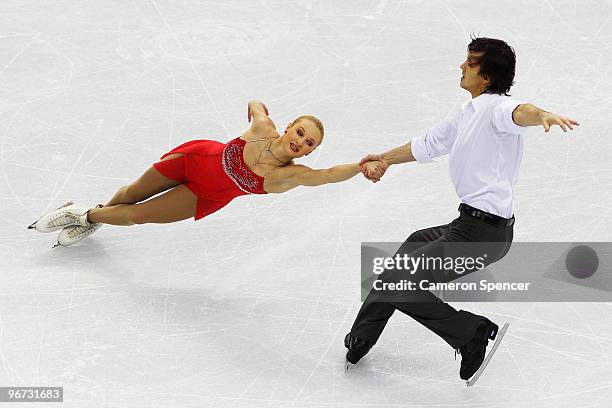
(484, 142)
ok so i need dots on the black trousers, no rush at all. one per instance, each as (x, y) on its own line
(464, 236)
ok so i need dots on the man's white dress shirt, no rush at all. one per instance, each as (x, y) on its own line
(485, 148)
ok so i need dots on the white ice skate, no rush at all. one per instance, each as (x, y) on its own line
(75, 233)
(62, 217)
(33, 225)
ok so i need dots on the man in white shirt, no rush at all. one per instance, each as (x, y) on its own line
(484, 141)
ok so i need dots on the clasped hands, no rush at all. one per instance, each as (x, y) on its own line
(373, 167)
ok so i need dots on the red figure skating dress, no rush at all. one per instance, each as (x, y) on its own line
(215, 172)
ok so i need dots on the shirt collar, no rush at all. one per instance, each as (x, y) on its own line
(481, 101)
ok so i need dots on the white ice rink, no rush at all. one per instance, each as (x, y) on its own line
(249, 307)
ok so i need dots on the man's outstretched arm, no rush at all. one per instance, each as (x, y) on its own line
(401, 154)
(436, 142)
(530, 115)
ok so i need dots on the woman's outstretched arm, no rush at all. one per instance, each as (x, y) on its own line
(257, 114)
(288, 177)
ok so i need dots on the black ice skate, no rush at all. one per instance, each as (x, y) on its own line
(357, 348)
(473, 361)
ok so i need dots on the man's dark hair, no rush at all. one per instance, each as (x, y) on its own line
(497, 63)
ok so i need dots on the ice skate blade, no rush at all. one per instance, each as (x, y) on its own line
(477, 374)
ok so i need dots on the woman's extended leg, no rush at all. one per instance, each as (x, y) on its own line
(150, 183)
(175, 205)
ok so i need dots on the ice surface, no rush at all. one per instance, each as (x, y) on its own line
(249, 307)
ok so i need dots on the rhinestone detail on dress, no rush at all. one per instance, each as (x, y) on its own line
(237, 170)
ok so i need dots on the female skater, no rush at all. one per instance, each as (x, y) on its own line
(202, 176)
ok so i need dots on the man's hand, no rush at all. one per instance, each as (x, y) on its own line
(527, 114)
(370, 157)
(373, 170)
(549, 119)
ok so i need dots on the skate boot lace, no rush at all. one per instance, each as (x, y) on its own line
(79, 230)
(83, 230)
(63, 219)
(473, 341)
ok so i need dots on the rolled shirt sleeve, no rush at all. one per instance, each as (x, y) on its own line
(502, 118)
(437, 141)
(419, 151)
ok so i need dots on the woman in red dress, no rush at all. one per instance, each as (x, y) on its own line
(200, 177)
